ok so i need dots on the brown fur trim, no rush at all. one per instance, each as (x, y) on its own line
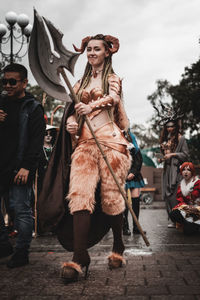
(73, 265)
(116, 257)
(82, 184)
(112, 200)
(87, 167)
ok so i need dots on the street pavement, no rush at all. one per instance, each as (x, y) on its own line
(168, 269)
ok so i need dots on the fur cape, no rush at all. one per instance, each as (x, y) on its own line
(53, 212)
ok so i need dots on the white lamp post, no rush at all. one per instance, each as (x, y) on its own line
(15, 24)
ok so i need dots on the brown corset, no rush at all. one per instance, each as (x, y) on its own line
(94, 94)
(108, 135)
(87, 97)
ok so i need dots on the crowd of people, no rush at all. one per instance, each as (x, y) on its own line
(78, 196)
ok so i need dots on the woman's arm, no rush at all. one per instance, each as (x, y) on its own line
(196, 191)
(104, 102)
(182, 154)
(179, 198)
(71, 124)
(114, 87)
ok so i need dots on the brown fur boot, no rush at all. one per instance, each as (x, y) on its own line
(71, 270)
(115, 260)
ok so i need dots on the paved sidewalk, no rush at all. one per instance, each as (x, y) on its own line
(168, 269)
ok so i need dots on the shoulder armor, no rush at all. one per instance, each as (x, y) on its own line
(115, 83)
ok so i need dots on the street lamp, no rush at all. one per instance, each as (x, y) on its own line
(20, 34)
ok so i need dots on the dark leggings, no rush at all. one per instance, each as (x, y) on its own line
(188, 228)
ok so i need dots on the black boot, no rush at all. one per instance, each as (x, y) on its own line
(176, 217)
(6, 249)
(136, 209)
(115, 260)
(81, 224)
(81, 258)
(20, 258)
(126, 230)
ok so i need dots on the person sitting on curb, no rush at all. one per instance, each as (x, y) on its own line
(187, 212)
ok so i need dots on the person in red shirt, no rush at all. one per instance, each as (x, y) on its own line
(187, 211)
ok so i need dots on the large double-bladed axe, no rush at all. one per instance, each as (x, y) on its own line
(47, 65)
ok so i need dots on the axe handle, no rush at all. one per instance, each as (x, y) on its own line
(105, 158)
(74, 97)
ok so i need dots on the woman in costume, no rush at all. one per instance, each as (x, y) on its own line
(134, 182)
(175, 151)
(99, 92)
(187, 211)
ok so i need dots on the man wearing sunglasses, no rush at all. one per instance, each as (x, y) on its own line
(22, 130)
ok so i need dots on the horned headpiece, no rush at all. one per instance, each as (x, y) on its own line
(111, 41)
(168, 114)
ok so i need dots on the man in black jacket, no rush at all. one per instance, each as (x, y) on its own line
(22, 130)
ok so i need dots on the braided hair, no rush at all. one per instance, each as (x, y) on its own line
(107, 69)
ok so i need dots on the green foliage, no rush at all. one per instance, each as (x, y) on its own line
(184, 96)
(146, 137)
(194, 146)
(187, 95)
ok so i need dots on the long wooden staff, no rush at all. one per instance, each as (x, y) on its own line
(104, 157)
(36, 198)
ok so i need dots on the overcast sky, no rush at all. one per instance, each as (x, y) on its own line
(158, 39)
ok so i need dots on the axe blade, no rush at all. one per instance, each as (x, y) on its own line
(44, 64)
(67, 58)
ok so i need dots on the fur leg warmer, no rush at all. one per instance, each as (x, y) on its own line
(112, 200)
(83, 178)
(115, 261)
(88, 166)
(73, 265)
